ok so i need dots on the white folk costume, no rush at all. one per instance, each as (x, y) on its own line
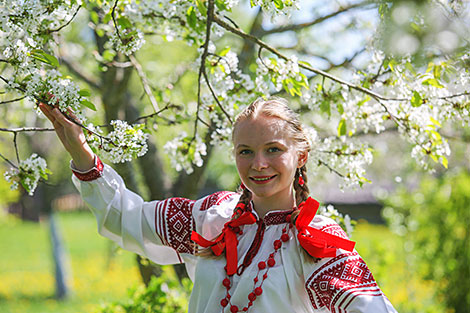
(275, 274)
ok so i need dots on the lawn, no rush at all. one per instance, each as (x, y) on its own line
(101, 274)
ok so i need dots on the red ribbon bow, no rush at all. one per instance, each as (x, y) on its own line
(226, 240)
(317, 243)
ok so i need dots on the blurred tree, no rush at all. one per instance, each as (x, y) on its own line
(200, 62)
(434, 218)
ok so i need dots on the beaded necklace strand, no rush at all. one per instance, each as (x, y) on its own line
(262, 266)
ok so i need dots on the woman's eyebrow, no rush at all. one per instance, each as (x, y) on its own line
(241, 145)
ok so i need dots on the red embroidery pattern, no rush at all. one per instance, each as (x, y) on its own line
(339, 281)
(334, 229)
(276, 218)
(215, 199)
(174, 223)
(92, 174)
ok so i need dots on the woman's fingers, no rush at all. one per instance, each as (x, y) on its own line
(59, 117)
(47, 112)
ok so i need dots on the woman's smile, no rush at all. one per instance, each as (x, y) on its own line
(262, 179)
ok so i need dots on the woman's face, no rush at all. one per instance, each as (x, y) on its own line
(266, 158)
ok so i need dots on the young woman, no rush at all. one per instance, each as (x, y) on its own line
(264, 250)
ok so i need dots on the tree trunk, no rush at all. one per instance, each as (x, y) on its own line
(61, 262)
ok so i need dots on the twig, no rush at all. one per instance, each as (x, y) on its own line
(143, 79)
(466, 93)
(294, 27)
(330, 168)
(153, 114)
(202, 68)
(113, 15)
(75, 70)
(39, 99)
(8, 161)
(215, 97)
(242, 34)
(25, 129)
(16, 147)
(66, 24)
(13, 100)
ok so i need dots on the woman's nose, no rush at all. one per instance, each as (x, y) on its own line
(259, 162)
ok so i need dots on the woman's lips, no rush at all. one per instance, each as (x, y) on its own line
(260, 180)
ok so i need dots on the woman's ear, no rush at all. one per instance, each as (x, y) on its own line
(303, 157)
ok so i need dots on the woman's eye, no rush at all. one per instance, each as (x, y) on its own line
(244, 152)
(274, 149)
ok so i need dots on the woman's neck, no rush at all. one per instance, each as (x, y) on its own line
(262, 205)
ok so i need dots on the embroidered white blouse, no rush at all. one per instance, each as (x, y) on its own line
(161, 231)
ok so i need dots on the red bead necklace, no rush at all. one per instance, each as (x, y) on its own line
(257, 282)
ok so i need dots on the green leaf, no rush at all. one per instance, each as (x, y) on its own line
(84, 93)
(191, 17)
(416, 99)
(433, 82)
(88, 104)
(108, 55)
(44, 57)
(107, 18)
(202, 8)
(124, 22)
(342, 128)
(224, 52)
(435, 122)
(325, 107)
(340, 108)
(94, 17)
(444, 161)
(360, 103)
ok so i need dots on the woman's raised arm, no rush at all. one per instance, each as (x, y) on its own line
(71, 136)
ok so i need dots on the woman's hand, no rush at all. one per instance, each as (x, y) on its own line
(71, 136)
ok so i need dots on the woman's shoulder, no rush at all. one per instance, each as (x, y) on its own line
(328, 225)
(213, 211)
(217, 199)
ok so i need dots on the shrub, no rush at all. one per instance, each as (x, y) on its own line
(436, 222)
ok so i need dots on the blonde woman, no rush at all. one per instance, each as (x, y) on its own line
(262, 250)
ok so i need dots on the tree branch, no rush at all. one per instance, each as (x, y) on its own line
(13, 100)
(8, 161)
(77, 72)
(202, 68)
(295, 27)
(305, 66)
(66, 24)
(145, 83)
(330, 168)
(26, 129)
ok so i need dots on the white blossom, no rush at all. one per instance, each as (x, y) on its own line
(28, 173)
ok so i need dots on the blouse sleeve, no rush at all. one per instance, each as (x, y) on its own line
(343, 283)
(159, 230)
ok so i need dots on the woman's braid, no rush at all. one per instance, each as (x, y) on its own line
(301, 191)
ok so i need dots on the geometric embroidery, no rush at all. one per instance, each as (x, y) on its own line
(334, 229)
(174, 223)
(338, 282)
(215, 199)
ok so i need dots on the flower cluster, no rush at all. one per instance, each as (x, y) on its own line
(347, 157)
(275, 8)
(184, 152)
(125, 142)
(28, 173)
(129, 41)
(343, 220)
(282, 73)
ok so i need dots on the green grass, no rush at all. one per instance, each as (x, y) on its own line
(26, 268)
(385, 255)
(27, 281)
